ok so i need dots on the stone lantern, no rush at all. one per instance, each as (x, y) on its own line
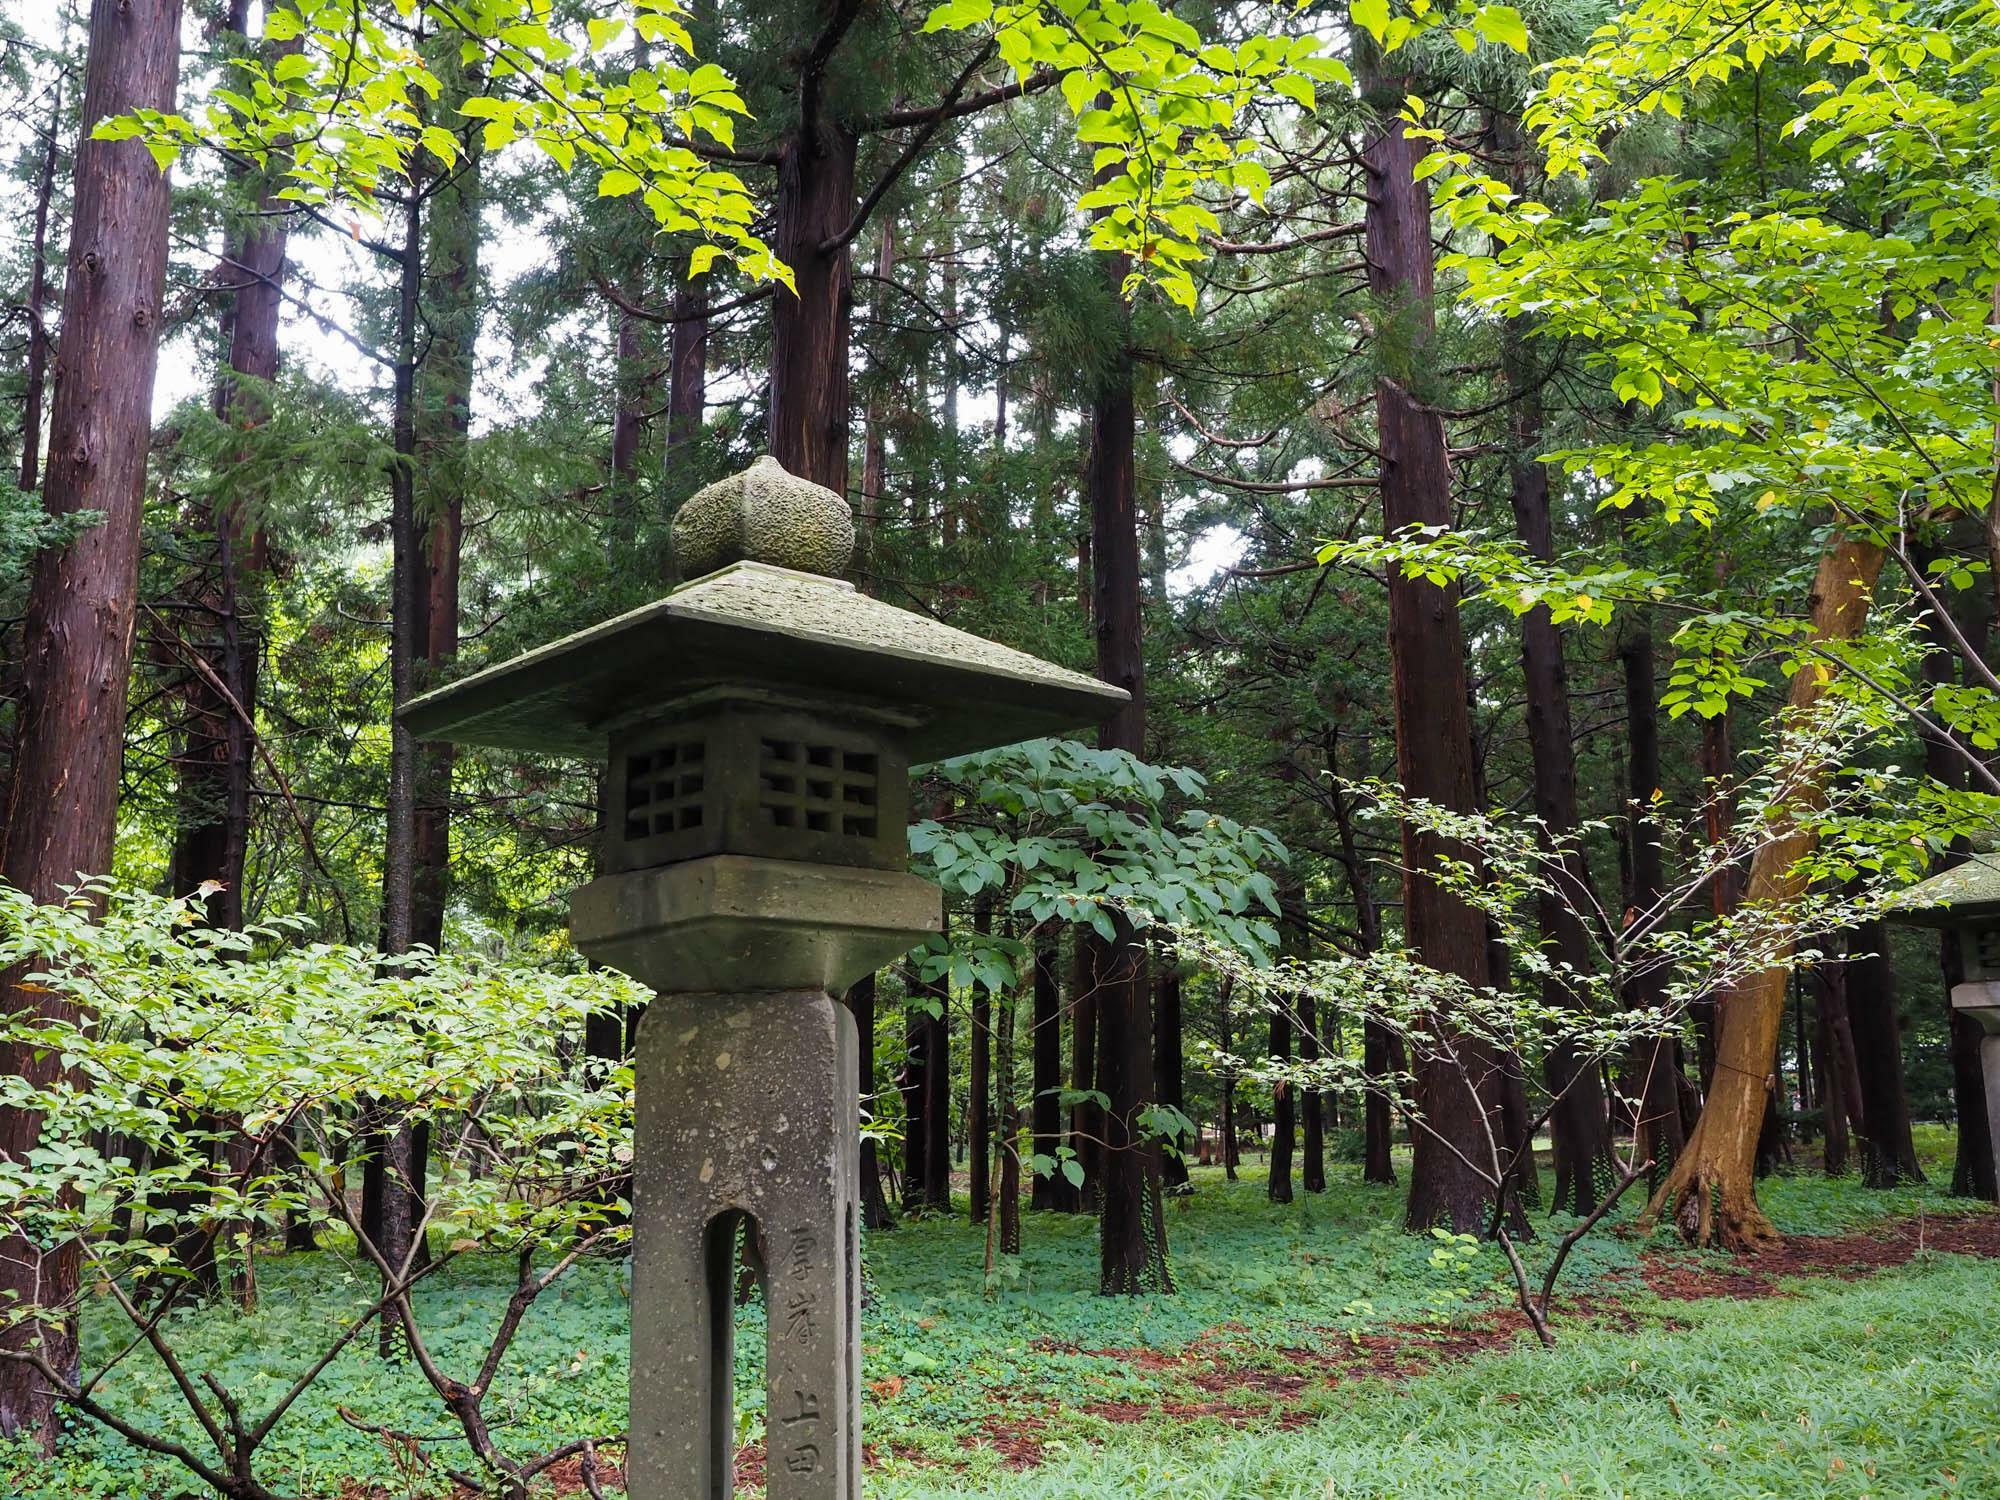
(757, 726)
(1964, 902)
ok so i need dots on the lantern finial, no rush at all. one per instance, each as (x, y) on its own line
(765, 514)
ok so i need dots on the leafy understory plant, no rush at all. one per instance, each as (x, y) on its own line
(1650, 964)
(218, 1085)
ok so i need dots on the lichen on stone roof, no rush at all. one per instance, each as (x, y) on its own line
(1965, 891)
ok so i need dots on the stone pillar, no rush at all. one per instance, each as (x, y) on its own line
(748, 1120)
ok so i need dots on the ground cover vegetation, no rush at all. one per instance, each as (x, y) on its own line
(1533, 469)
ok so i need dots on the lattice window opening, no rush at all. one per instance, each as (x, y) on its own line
(818, 788)
(664, 789)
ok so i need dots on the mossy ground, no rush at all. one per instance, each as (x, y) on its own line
(1312, 1350)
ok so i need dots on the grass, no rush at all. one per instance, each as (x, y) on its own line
(1197, 1394)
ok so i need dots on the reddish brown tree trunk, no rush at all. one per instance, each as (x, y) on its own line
(1284, 1125)
(1652, 1076)
(979, 1086)
(1973, 1168)
(39, 342)
(927, 1101)
(1840, 1091)
(1427, 662)
(1888, 1152)
(1312, 1104)
(687, 387)
(1579, 1125)
(1169, 1065)
(1230, 1150)
(1132, 1242)
(212, 833)
(1051, 1190)
(810, 331)
(77, 639)
(1086, 1117)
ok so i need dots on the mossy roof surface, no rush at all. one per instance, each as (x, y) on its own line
(767, 630)
(1963, 892)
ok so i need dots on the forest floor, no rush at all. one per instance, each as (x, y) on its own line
(1311, 1351)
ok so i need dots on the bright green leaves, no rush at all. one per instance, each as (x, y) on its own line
(350, 109)
(1066, 833)
(1167, 113)
(1470, 23)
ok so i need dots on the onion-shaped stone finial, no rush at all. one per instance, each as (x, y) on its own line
(765, 514)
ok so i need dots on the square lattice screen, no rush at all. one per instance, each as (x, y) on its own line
(784, 785)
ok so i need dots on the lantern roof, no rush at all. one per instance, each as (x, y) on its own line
(757, 630)
(1967, 892)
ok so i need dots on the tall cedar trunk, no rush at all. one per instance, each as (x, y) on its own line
(1652, 1077)
(979, 1086)
(911, 1084)
(1227, 1043)
(1283, 1123)
(1841, 1108)
(39, 342)
(1168, 1063)
(77, 637)
(1007, 1137)
(450, 316)
(1381, 1049)
(1973, 1168)
(927, 1102)
(875, 1212)
(874, 436)
(687, 363)
(387, 1199)
(1312, 1110)
(810, 331)
(1132, 1244)
(1711, 1192)
(628, 428)
(1579, 1126)
(1086, 1115)
(212, 830)
(1888, 1153)
(1051, 1190)
(1427, 663)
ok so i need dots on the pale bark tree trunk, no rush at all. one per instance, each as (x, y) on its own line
(1711, 1193)
(77, 639)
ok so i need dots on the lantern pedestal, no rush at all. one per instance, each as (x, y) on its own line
(748, 1130)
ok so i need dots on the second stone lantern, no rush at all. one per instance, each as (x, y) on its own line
(757, 726)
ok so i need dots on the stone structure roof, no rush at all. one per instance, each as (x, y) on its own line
(770, 631)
